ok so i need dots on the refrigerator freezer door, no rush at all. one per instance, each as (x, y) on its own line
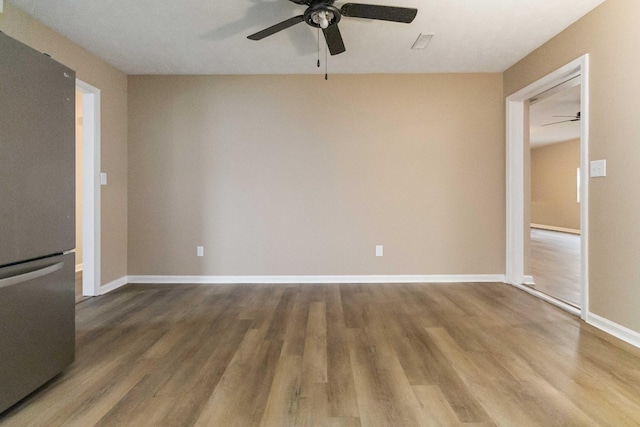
(37, 318)
(37, 154)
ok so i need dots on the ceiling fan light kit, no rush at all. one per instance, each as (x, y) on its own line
(322, 18)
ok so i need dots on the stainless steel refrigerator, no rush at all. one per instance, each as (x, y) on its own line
(37, 219)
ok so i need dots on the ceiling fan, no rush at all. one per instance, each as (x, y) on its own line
(575, 118)
(322, 14)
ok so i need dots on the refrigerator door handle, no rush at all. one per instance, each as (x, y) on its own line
(25, 277)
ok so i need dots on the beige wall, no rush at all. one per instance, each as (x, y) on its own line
(293, 175)
(607, 34)
(79, 172)
(554, 185)
(113, 86)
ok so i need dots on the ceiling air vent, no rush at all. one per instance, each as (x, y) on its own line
(422, 41)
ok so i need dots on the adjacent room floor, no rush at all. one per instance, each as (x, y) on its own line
(555, 264)
(371, 355)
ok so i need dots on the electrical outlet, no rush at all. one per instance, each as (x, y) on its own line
(200, 251)
(379, 250)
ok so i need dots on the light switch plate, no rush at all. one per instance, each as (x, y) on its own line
(200, 250)
(103, 178)
(598, 168)
(379, 250)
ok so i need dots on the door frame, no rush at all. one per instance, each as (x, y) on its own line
(90, 188)
(517, 136)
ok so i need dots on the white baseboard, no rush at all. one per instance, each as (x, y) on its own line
(78, 267)
(554, 228)
(112, 286)
(625, 334)
(228, 280)
(528, 280)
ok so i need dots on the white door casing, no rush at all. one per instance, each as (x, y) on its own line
(91, 188)
(516, 227)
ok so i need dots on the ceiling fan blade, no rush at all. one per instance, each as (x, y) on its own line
(334, 39)
(577, 116)
(275, 28)
(383, 13)
(563, 121)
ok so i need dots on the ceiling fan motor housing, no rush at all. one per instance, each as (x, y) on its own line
(312, 17)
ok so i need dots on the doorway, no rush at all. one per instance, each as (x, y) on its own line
(554, 196)
(79, 196)
(90, 114)
(518, 271)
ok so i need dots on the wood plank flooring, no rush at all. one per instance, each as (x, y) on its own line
(555, 264)
(335, 355)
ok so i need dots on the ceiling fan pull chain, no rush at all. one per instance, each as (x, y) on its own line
(326, 74)
(318, 47)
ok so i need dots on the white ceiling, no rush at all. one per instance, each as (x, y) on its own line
(209, 37)
(563, 103)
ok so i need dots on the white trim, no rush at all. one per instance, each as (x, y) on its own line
(584, 186)
(528, 280)
(625, 334)
(515, 116)
(463, 278)
(554, 228)
(112, 286)
(91, 188)
(572, 80)
(78, 267)
(515, 192)
(553, 301)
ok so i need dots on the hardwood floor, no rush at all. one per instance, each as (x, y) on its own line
(555, 264)
(339, 355)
